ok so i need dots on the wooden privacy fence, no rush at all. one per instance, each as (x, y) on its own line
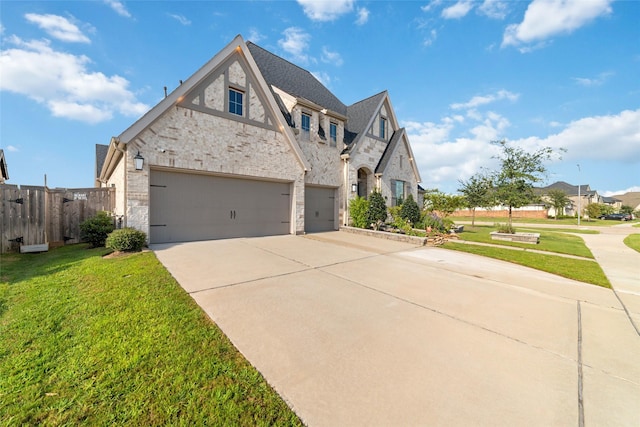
(31, 215)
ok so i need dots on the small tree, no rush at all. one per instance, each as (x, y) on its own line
(410, 210)
(519, 171)
(477, 193)
(359, 212)
(377, 213)
(445, 204)
(625, 209)
(96, 229)
(559, 200)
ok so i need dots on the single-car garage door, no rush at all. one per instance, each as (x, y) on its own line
(319, 209)
(186, 207)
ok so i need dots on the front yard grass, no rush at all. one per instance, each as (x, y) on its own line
(550, 221)
(550, 240)
(94, 341)
(576, 269)
(633, 241)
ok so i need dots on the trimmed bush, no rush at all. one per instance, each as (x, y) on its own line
(96, 229)
(505, 228)
(126, 240)
(358, 211)
(377, 210)
(410, 210)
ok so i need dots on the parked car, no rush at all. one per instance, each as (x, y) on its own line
(618, 217)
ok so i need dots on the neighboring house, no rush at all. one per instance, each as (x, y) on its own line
(631, 198)
(254, 145)
(612, 201)
(579, 196)
(4, 172)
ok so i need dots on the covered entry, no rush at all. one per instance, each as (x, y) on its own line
(319, 209)
(187, 206)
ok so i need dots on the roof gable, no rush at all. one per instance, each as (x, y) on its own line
(399, 137)
(189, 90)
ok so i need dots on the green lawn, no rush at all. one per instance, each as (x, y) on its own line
(566, 221)
(633, 241)
(581, 270)
(550, 240)
(94, 341)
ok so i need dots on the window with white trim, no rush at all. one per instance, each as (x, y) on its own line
(398, 189)
(383, 128)
(305, 125)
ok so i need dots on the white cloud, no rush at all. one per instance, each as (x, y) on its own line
(495, 9)
(295, 43)
(546, 18)
(428, 41)
(118, 7)
(596, 81)
(633, 189)
(255, 35)
(180, 18)
(458, 10)
(325, 10)
(331, 57)
(586, 137)
(363, 16)
(432, 4)
(58, 27)
(477, 101)
(63, 83)
(12, 149)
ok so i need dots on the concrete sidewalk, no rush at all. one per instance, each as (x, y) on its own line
(353, 330)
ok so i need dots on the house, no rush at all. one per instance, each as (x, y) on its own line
(253, 145)
(579, 196)
(4, 172)
(614, 202)
(631, 198)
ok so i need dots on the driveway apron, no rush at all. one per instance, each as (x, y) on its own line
(353, 330)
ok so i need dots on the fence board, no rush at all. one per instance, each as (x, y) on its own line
(48, 215)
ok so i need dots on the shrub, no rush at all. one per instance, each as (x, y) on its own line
(377, 212)
(505, 228)
(96, 229)
(358, 211)
(410, 210)
(437, 224)
(126, 240)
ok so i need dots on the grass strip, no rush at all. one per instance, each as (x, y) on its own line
(94, 341)
(633, 241)
(581, 270)
(550, 241)
(562, 221)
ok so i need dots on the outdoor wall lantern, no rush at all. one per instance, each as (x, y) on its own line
(354, 188)
(139, 161)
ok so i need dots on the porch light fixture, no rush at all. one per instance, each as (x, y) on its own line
(139, 161)
(354, 188)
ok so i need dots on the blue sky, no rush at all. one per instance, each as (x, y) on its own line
(558, 73)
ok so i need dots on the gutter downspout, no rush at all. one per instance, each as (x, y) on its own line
(345, 181)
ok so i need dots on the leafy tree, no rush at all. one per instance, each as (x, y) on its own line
(519, 171)
(558, 199)
(596, 210)
(626, 209)
(377, 212)
(478, 193)
(359, 212)
(410, 210)
(445, 204)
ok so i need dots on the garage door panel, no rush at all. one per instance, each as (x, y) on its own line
(186, 207)
(319, 208)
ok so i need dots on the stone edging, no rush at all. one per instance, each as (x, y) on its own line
(415, 240)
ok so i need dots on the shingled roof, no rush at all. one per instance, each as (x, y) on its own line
(294, 80)
(101, 156)
(570, 190)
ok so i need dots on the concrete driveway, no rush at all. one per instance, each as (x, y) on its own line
(353, 330)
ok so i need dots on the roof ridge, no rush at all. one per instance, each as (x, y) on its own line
(368, 98)
(284, 59)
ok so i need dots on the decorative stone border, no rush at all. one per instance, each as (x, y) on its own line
(532, 238)
(398, 237)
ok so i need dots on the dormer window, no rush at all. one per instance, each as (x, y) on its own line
(305, 124)
(383, 128)
(333, 134)
(235, 101)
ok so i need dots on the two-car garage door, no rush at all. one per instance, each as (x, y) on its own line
(187, 207)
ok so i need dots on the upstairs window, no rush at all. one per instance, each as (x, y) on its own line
(383, 128)
(333, 134)
(305, 124)
(235, 101)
